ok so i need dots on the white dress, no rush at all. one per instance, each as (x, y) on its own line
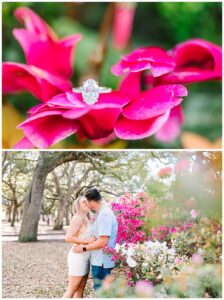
(79, 263)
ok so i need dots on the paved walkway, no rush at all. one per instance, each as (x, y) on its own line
(45, 232)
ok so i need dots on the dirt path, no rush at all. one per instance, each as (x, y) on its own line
(36, 270)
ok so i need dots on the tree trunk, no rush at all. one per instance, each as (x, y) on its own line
(14, 213)
(32, 204)
(67, 213)
(17, 216)
(58, 223)
(9, 211)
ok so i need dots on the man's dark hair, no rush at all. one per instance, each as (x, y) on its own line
(93, 194)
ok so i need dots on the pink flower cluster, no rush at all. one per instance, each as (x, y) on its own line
(115, 255)
(160, 233)
(164, 172)
(144, 289)
(129, 113)
(130, 212)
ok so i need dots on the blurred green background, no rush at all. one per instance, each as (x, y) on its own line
(161, 24)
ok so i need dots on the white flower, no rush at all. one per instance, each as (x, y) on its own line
(171, 251)
(131, 262)
(200, 251)
(145, 264)
(117, 247)
(131, 251)
(149, 244)
(123, 251)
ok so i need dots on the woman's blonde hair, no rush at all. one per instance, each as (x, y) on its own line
(76, 209)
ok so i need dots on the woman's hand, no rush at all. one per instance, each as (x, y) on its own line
(90, 240)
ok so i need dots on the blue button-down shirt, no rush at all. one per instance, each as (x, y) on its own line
(105, 225)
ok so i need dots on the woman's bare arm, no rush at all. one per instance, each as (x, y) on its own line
(73, 229)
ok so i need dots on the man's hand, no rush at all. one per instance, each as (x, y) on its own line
(77, 249)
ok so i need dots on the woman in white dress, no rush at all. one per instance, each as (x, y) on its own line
(79, 232)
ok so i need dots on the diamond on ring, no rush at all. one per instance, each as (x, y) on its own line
(90, 91)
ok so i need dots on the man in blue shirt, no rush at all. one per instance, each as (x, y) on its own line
(105, 230)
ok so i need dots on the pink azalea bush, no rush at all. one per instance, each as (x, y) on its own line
(164, 232)
(130, 212)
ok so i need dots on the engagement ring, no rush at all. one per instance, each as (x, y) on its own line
(90, 91)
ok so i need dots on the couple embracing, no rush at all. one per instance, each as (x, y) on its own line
(88, 241)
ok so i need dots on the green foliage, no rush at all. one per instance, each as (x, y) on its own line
(193, 281)
(196, 281)
(205, 237)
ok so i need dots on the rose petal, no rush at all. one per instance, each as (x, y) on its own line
(41, 45)
(155, 102)
(133, 130)
(122, 24)
(24, 143)
(154, 58)
(75, 113)
(68, 100)
(106, 140)
(98, 123)
(117, 98)
(33, 22)
(171, 129)
(40, 115)
(74, 101)
(183, 77)
(46, 131)
(43, 85)
(131, 85)
(196, 60)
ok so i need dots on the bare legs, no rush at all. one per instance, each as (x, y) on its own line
(73, 286)
(79, 292)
